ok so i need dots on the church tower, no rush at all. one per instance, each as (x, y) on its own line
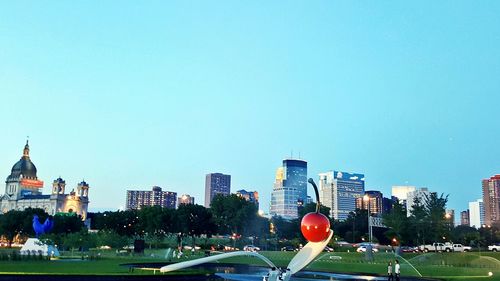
(82, 190)
(58, 186)
(22, 180)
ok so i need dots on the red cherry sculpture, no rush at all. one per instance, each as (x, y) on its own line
(315, 226)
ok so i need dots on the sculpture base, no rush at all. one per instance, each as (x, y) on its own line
(34, 246)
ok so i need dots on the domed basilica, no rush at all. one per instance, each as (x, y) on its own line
(23, 190)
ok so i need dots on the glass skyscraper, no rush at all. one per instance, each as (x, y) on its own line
(290, 189)
(339, 190)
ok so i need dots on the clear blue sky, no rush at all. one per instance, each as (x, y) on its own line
(134, 94)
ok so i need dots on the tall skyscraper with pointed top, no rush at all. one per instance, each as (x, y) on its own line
(290, 189)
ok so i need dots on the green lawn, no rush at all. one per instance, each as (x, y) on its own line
(445, 266)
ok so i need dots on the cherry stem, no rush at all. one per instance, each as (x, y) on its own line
(318, 204)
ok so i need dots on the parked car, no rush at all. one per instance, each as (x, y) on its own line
(342, 243)
(251, 248)
(494, 248)
(356, 245)
(408, 249)
(328, 249)
(362, 249)
(288, 249)
(467, 248)
(457, 248)
(436, 247)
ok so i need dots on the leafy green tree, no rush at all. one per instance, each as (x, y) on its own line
(310, 208)
(418, 222)
(27, 220)
(122, 222)
(437, 225)
(232, 213)
(16, 222)
(81, 241)
(354, 227)
(195, 220)
(465, 234)
(396, 220)
(283, 228)
(112, 239)
(67, 224)
(154, 223)
(10, 226)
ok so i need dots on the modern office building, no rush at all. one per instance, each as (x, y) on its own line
(476, 213)
(464, 218)
(185, 199)
(137, 199)
(401, 192)
(374, 202)
(491, 199)
(339, 191)
(23, 189)
(387, 204)
(216, 183)
(290, 189)
(450, 217)
(420, 193)
(251, 196)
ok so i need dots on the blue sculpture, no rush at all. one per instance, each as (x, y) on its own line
(39, 228)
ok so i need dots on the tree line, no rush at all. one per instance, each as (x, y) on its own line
(232, 216)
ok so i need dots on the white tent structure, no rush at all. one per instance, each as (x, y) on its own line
(34, 246)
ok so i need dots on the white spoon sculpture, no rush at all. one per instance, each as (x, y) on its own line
(305, 256)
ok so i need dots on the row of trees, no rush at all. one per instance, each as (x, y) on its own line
(426, 224)
(14, 223)
(227, 215)
(429, 223)
(236, 217)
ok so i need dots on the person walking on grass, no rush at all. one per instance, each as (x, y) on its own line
(397, 270)
(390, 277)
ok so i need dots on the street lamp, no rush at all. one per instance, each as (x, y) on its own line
(366, 199)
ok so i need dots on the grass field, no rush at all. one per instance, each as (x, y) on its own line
(445, 266)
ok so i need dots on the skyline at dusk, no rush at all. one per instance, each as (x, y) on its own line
(162, 94)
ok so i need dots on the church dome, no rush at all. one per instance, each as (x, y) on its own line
(24, 166)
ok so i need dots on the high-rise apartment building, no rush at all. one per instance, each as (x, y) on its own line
(137, 199)
(290, 189)
(216, 183)
(185, 199)
(401, 192)
(491, 199)
(420, 193)
(374, 202)
(464, 218)
(339, 190)
(251, 196)
(476, 213)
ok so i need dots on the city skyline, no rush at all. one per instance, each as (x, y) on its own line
(165, 93)
(395, 188)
